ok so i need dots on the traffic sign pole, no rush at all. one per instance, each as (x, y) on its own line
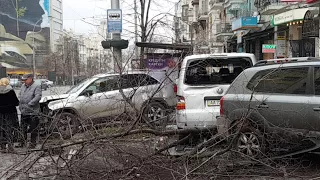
(117, 56)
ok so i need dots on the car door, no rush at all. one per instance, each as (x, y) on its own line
(104, 99)
(137, 89)
(313, 110)
(284, 94)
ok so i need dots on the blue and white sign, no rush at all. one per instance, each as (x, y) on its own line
(245, 23)
(114, 20)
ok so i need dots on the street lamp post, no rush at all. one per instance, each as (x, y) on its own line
(33, 49)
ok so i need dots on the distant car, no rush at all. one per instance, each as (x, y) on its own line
(44, 86)
(48, 82)
(15, 82)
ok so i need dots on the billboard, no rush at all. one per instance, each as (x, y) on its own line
(24, 28)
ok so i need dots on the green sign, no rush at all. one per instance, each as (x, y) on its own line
(269, 46)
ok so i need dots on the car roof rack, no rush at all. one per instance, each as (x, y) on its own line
(285, 60)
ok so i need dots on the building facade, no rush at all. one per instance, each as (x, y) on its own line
(267, 28)
(199, 23)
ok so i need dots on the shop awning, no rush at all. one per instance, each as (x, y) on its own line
(289, 16)
(265, 30)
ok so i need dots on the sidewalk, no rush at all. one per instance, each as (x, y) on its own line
(34, 165)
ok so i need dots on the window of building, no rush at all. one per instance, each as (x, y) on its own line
(57, 3)
(57, 15)
(57, 26)
(284, 80)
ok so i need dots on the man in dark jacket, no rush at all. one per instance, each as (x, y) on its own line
(30, 95)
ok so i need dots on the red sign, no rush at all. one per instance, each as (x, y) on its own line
(293, 0)
(268, 50)
(311, 1)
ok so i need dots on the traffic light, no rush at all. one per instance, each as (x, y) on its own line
(121, 44)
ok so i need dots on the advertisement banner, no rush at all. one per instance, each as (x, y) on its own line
(156, 63)
(281, 48)
(21, 35)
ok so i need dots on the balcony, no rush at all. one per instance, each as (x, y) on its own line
(268, 7)
(216, 4)
(203, 16)
(224, 29)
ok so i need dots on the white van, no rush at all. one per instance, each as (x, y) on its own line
(203, 80)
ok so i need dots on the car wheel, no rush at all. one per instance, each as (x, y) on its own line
(155, 114)
(250, 142)
(66, 124)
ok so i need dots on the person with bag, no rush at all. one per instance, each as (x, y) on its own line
(30, 95)
(8, 114)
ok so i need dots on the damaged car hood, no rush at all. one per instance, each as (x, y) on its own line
(54, 97)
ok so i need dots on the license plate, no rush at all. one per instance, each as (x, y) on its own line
(213, 103)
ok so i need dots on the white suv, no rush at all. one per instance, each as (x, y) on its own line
(203, 80)
(100, 96)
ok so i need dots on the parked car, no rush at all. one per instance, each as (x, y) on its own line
(99, 96)
(275, 99)
(47, 82)
(203, 80)
(15, 82)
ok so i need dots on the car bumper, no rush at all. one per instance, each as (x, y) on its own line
(200, 119)
(223, 126)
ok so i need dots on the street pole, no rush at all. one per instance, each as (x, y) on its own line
(33, 50)
(136, 28)
(117, 56)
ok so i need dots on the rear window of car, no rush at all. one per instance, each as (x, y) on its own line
(213, 71)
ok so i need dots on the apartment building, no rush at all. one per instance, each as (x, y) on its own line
(200, 23)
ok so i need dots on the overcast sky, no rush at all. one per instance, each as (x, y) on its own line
(83, 16)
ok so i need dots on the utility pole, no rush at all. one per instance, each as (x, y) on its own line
(72, 59)
(117, 56)
(136, 28)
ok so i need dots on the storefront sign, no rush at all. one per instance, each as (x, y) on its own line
(281, 48)
(311, 1)
(293, 0)
(245, 23)
(269, 48)
(293, 15)
(156, 63)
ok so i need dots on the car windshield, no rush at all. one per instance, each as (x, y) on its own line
(213, 71)
(76, 88)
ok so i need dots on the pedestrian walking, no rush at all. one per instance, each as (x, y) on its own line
(30, 95)
(8, 114)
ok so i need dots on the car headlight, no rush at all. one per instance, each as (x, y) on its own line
(55, 104)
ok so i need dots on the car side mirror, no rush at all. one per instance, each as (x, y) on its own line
(87, 92)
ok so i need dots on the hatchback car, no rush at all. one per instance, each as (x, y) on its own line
(97, 97)
(275, 100)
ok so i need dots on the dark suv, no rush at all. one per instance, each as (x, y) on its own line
(275, 100)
